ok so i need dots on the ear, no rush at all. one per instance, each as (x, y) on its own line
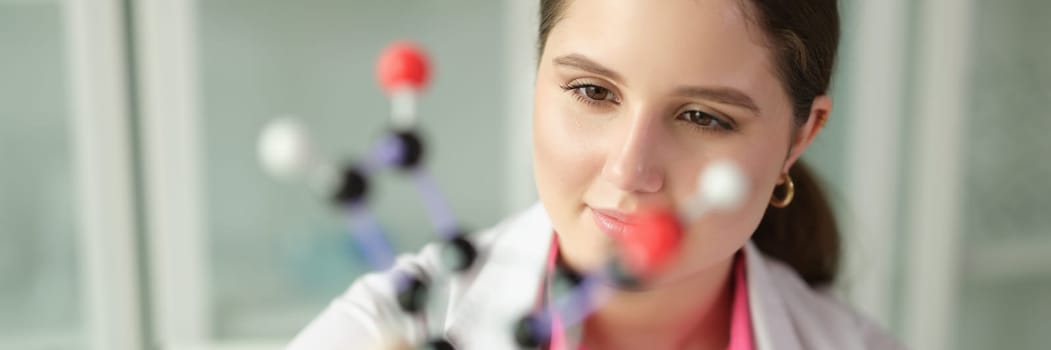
(820, 110)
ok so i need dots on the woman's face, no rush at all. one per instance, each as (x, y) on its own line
(635, 98)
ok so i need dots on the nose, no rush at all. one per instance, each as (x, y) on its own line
(633, 162)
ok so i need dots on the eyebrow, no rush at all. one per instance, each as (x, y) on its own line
(725, 95)
(578, 61)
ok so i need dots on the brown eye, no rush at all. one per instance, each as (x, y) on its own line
(701, 118)
(706, 120)
(591, 94)
(596, 93)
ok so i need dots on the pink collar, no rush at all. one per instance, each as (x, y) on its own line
(740, 317)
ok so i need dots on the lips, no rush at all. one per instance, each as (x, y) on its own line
(646, 240)
(613, 223)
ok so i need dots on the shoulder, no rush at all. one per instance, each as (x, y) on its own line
(820, 319)
(429, 262)
(369, 312)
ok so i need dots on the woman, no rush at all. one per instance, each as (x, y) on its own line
(633, 99)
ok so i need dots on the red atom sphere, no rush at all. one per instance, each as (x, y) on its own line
(652, 241)
(401, 65)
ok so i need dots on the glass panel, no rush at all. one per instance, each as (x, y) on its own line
(39, 287)
(279, 254)
(1007, 132)
(1006, 296)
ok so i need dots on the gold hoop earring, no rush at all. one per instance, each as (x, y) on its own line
(790, 193)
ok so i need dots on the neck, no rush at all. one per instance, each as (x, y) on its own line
(692, 312)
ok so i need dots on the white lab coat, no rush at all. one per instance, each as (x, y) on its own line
(483, 305)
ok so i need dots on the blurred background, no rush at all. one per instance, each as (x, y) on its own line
(133, 213)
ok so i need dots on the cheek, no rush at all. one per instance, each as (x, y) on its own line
(565, 163)
(718, 235)
(763, 164)
(761, 160)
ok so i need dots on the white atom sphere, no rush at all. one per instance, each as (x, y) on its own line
(722, 185)
(284, 148)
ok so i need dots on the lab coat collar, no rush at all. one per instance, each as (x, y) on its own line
(770, 322)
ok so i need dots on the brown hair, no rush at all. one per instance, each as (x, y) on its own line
(803, 37)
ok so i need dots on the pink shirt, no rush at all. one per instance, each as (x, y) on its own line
(740, 319)
(740, 316)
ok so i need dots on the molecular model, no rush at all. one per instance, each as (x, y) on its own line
(653, 239)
